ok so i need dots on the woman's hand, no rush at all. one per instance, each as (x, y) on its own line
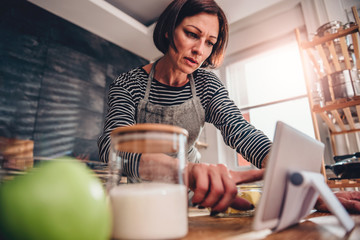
(349, 199)
(158, 166)
(214, 186)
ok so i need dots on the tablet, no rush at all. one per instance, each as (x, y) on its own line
(292, 150)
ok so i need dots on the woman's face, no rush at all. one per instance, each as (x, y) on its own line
(194, 39)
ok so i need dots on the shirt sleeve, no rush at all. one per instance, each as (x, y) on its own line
(237, 132)
(121, 112)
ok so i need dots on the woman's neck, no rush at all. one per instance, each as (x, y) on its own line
(167, 74)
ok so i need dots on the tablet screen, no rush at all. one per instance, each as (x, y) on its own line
(291, 150)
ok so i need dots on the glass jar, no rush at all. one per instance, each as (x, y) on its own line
(152, 202)
(252, 193)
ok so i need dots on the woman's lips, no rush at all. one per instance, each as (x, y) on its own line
(191, 60)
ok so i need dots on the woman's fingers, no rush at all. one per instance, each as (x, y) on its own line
(247, 176)
(199, 182)
(158, 166)
(349, 199)
(353, 195)
(240, 203)
(226, 191)
(352, 206)
(214, 186)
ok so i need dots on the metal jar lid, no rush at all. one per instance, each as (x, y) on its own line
(330, 27)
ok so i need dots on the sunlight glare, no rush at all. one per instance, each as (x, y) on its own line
(274, 75)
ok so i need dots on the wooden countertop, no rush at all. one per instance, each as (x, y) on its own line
(317, 226)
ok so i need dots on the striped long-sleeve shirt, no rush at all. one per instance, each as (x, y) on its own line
(127, 90)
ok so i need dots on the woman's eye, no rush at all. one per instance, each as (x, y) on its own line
(192, 35)
(210, 44)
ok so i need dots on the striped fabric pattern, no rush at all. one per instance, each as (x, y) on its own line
(129, 88)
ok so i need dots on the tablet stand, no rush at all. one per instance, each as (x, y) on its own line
(303, 189)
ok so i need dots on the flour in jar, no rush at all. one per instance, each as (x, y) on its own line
(149, 211)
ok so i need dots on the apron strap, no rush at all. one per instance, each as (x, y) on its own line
(192, 85)
(150, 78)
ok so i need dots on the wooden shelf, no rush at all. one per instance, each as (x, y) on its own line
(341, 116)
(335, 64)
(344, 183)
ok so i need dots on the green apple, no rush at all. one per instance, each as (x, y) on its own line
(59, 200)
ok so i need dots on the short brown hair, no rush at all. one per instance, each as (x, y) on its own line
(180, 9)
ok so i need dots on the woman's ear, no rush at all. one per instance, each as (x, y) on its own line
(166, 35)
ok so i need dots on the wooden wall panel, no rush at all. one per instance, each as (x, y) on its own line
(21, 64)
(54, 78)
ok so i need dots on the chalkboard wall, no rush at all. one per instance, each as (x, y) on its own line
(54, 78)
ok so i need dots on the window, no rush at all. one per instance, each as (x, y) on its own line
(269, 87)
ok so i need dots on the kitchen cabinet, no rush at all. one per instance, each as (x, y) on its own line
(334, 94)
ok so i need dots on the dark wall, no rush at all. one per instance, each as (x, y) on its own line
(54, 78)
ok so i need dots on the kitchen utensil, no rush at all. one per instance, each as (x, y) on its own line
(342, 157)
(347, 168)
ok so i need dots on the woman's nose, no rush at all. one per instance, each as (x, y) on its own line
(199, 48)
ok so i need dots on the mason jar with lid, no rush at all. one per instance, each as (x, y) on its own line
(152, 202)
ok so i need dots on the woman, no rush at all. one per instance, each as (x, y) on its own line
(176, 90)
